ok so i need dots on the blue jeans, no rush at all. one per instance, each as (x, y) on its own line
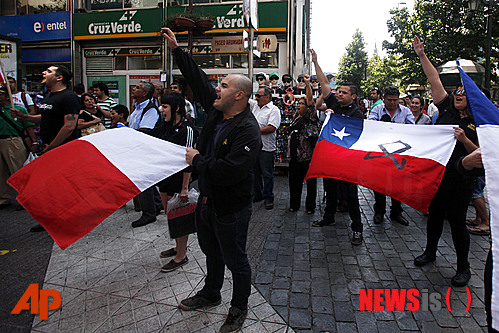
(223, 240)
(264, 176)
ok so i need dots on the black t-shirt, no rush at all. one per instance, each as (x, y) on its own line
(54, 107)
(351, 110)
(449, 116)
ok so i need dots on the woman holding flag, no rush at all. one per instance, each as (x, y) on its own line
(454, 192)
(177, 129)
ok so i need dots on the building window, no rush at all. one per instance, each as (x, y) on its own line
(144, 62)
(38, 6)
(119, 63)
(122, 4)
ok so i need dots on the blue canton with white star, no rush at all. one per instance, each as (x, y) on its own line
(342, 130)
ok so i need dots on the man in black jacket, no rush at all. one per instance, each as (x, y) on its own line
(227, 149)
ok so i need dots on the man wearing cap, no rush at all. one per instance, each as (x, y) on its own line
(269, 120)
(12, 150)
(300, 89)
(316, 90)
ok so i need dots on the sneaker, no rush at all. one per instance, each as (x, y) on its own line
(173, 265)
(323, 223)
(424, 259)
(269, 205)
(461, 278)
(168, 253)
(198, 301)
(357, 238)
(399, 219)
(234, 321)
(378, 218)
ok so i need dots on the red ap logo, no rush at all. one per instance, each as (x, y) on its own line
(39, 301)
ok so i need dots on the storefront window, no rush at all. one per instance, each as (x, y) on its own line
(39, 6)
(119, 63)
(212, 60)
(237, 60)
(240, 60)
(118, 4)
(144, 62)
(140, 3)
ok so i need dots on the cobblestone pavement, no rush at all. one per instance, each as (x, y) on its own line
(313, 276)
(305, 279)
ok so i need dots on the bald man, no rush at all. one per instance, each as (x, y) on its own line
(228, 147)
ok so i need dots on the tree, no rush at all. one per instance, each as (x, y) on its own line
(382, 72)
(353, 63)
(447, 27)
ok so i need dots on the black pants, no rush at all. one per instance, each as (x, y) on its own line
(331, 186)
(297, 173)
(451, 200)
(380, 205)
(223, 240)
(150, 202)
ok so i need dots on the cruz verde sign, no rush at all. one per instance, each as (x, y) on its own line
(122, 52)
(117, 24)
(230, 18)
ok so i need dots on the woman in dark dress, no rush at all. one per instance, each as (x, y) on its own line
(176, 129)
(454, 192)
(91, 114)
(301, 146)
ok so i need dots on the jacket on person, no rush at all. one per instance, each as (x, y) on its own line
(229, 173)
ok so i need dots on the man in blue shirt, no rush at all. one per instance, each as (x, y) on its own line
(391, 111)
(144, 118)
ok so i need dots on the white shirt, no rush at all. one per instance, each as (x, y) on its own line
(268, 114)
(432, 109)
(189, 110)
(18, 100)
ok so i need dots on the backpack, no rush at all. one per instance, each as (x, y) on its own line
(149, 106)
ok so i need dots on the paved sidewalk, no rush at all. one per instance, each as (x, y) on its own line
(313, 276)
(110, 281)
(306, 279)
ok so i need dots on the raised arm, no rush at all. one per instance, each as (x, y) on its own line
(197, 79)
(437, 88)
(308, 90)
(325, 88)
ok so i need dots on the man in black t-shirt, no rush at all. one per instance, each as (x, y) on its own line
(343, 102)
(58, 112)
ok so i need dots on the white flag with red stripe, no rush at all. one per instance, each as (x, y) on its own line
(71, 189)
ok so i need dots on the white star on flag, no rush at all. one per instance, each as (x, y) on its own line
(340, 134)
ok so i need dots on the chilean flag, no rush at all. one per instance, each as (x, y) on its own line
(72, 188)
(406, 162)
(486, 116)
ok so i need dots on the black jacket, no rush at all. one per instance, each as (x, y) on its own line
(229, 174)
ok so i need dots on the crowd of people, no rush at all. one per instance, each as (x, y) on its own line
(234, 154)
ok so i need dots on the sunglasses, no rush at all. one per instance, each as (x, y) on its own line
(460, 91)
(258, 95)
(260, 79)
(301, 80)
(286, 81)
(315, 81)
(274, 77)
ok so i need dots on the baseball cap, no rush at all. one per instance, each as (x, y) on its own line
(261, 74)
(274, 74)
(287, 76)
(300, 76)
(313, 77)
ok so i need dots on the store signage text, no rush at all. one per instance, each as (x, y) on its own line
(5, 48)
(122, 52)
(233, 22)
(40, 26)
(117, 24)
(227, 44)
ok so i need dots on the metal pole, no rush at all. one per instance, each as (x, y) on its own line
(250, 55)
